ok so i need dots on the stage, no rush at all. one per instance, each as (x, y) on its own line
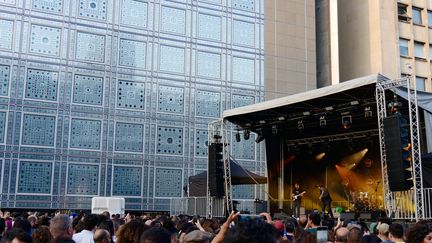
(327, 136)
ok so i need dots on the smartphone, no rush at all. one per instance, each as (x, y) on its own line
(322, 234)
(250, 217)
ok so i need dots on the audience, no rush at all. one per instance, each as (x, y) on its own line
(103, 228)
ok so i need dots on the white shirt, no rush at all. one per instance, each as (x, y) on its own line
(84, 236)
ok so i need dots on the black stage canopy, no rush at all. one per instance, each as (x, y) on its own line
(239, 176)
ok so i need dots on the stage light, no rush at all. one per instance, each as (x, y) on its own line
(322, 121)
(367, 112)
(346, 120)
(319, 156)
(260, 138)
(281, 118)
(237, 137)
(246, 134)
(300, 125)
(329, 108)
(262, 122)
(274, 129)
(354, 102)
(306, 113)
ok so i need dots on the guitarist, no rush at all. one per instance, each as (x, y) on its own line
(297, 197)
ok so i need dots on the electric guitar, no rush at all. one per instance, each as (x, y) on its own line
(295, 197)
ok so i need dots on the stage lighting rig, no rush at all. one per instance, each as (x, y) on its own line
(246, 134)
(367, 112)
(300, 125)
(322, 122)
(274, 129)
(237, 137)
(346, 120)
(260, 138)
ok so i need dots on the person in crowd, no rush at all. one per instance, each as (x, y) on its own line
(314, 221)
(86, 235)
(341, 235)
(109, 226)
(155, 235)
(2, 227)
(355, 234)
(370, 239)
(396, 233)
(383, 232)
(102, 236)
(41, 234)
(131, 231)
(22, 223)
(61, 227)
(16, 235)
(421, 232)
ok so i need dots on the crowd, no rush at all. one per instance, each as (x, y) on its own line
(106, 228)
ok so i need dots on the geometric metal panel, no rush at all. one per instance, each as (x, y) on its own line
(41, 84)
(172, 59)
(243, 191)
(2, 126)
(168, 183)
(6, 34)
(130, 95)
(243, 70)
(173, 20)
(90, 47)
(208, 103)
(245, 149)
(85, 134)
(134, 13)
(132, 53)
(4, 80)
(34, 177)
(83, 179)
(171, 99)
(127, 181)
(38, 130)
(201, 140)
(45, 40)
(88, 90)
(209, 26)
(170, 140)
(243, 33)
(8, 1)
(208, 64)
(93, 9)
(129, 137)
(48, 5)
(248, 5)
(241, 100)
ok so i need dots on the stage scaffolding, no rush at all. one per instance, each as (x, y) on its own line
(410, 204)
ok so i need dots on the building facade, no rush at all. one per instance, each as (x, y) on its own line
(388, 37)
(113, 98)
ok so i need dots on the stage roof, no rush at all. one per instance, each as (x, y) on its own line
(331, 103)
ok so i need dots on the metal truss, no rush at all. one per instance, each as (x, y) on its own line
(219, 129)
(395, 202)
(336, 137)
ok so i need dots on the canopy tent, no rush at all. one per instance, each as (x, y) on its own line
(239, 176)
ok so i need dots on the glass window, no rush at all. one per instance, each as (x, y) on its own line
(430, 18)
(420, 83)
(403, 47)
(402, 12)
(419, 50)
(417, 19)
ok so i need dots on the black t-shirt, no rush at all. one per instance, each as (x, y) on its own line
(325, 194)
(297, 192)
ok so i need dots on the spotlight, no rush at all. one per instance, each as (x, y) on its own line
(367, 112)
(300, 125)
(274, 129)
(260, 138)
(306, 113)
(354, 102)
(237, 137)
(246, 134)
(322, 121)
(346, 120)
(329, 108)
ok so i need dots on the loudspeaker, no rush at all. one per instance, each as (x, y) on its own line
(215, 170)
(395, 131)
(348, 216)
(365, 215)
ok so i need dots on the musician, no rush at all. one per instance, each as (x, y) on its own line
(325, 200)
(297, 195)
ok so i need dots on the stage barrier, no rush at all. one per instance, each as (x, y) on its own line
(198, 206)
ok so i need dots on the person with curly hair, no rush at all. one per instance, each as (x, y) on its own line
(42, 234)
(421, 232)
(131, 231)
